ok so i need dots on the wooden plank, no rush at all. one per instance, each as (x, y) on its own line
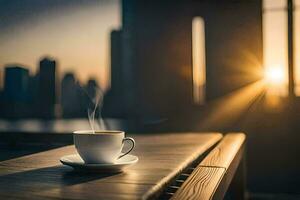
(91, 189)
(212, 177)
(202, 184)
(223, 154)
(237, 184)
(161, 158)
(193, 155)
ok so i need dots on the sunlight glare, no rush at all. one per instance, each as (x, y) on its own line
(276, 81)
(275, 76)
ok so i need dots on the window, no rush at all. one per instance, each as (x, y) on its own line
(198, 60)
(297, 47)
(275, 46)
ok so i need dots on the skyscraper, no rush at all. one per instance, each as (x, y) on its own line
(16, 83)
(116, 63)
(47, 88)
(116, 99)
(16, 95)
(71, 97)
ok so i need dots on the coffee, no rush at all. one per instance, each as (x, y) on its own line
(98, 132)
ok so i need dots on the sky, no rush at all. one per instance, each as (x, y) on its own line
(76, 33)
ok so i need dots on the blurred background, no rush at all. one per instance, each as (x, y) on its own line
(156, 66)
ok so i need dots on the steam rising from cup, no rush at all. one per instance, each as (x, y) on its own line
(94, 108)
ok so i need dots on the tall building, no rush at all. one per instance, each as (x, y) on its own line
(1, 79)
(116, 63)
(16, 94)
(16, 84)
(115, 103)
(33, 91)
(157, 52)
(70, 97)
(47, 88)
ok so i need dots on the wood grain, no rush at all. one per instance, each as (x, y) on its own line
(161, 158)
(212, 177)
(201, 184)
(223, 154)
(233, 177)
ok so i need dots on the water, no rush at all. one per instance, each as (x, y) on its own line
(55, 126)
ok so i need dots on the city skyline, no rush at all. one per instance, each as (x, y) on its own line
(74, 33)
(32, 73)
(43, 95)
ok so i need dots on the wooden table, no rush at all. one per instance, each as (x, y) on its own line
(161, 158)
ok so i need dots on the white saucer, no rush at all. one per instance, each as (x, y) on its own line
(77, 163)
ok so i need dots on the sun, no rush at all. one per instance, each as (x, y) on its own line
(275, 76)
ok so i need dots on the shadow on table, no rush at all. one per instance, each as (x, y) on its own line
(44, 178)
(10, 152)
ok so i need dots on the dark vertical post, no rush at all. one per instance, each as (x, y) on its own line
(291, 47)
(238, 188)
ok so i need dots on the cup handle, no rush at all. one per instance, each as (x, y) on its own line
(133, 145)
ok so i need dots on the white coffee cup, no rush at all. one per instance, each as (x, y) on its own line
(101, 146)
